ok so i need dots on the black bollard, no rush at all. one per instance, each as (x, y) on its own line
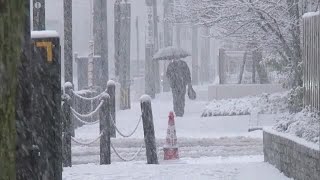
(67, 130)
(111, 90)
(105, 124)
(148, 128)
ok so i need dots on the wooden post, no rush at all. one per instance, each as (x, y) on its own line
(105, 124)
(111, 90)
(39, 15)
(67, 129)
(68, 88)
(148, 128)
(68, 52)
(46, 99)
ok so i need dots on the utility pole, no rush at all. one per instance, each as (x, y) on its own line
(39, 15)
(149, 65)
(156, 46)
(138, 47)
(100, 32)
(68, 51)
(168, 36)
(195, 63)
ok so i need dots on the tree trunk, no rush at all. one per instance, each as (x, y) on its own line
(242, 67)
(11, 20)
(262, 72)
(25, 166)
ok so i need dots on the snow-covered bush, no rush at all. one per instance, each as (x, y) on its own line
(263, 104)
(296, 99)
(304, 124)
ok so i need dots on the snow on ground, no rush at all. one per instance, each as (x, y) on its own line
(210, 148)
(189, 126)
(218, 168)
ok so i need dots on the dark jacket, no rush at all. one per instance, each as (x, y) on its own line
(178, 74)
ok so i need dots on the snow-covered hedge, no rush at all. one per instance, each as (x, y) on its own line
(304, 124)
(263, 104)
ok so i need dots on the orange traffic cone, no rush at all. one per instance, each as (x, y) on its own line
(171, 148)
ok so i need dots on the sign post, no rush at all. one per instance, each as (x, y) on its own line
(46, 102)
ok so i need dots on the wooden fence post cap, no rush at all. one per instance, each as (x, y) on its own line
(145, 98)
(111, 83)
(104, 97)
(68, 85)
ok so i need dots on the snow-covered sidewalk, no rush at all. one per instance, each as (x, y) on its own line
(210, 148)
(230, 168)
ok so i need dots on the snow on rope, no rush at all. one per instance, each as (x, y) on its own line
(86, 143)
(125, 159)
(75, 113)
(91, 98)
(121, 134)
(85, 122)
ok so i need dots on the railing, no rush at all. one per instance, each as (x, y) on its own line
(108, 127)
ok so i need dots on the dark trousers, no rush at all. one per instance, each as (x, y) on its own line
(179, 96)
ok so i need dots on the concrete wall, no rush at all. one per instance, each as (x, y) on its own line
(241, 90)
(294, 157)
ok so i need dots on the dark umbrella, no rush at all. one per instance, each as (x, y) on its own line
(170, 53)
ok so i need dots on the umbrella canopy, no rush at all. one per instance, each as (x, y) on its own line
(170, 53)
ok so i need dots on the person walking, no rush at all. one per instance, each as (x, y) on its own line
(179, 76)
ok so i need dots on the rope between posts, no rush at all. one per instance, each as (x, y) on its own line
(123, 135)
(85, 122)
(91, 98)
(129, 159)
(87, 115)
(86, 143)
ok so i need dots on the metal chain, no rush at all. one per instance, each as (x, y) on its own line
(91, 98)
(87, 115)
(123, 135)
(85, 122)
(129, 159)
(86, 143)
